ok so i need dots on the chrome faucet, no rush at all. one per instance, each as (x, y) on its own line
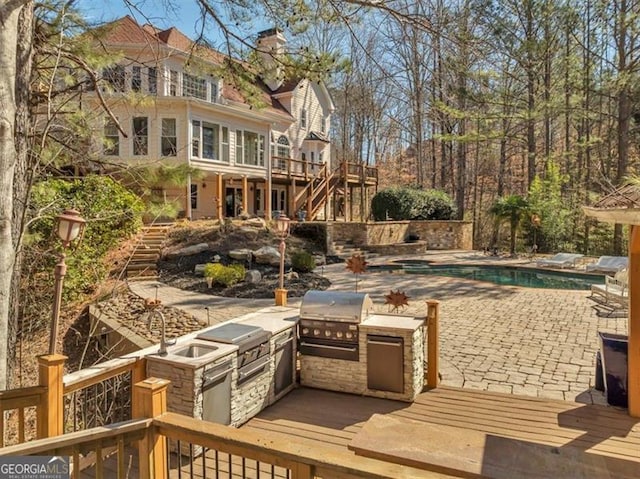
(163, 336)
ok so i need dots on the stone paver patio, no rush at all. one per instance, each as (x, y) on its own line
(535, 342)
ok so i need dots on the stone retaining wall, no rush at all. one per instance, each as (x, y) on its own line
(438, 235)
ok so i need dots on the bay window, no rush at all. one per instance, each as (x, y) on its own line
(249, 148)
(209, 141)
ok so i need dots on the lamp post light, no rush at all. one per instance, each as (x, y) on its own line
(282, 230)
(70, 226)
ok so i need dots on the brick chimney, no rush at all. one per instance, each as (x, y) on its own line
(270, 46)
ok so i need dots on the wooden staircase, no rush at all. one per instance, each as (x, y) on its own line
(142, 264)
(315, 195)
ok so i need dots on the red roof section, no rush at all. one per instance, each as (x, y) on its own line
(127, 30)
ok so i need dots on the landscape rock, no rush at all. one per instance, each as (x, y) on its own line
(189, 250)
(253, 276)
(320, 259)
(292, 275)
(267, 255)
(240, 254)
(198, 270)
(255, 223)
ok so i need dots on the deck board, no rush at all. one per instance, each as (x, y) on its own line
(334, 419)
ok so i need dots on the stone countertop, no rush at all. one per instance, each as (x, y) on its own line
(220, 351)
(274, 319)
(392, 321)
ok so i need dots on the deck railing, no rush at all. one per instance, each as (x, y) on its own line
(100, 395)
(18, 413)
(222, 449)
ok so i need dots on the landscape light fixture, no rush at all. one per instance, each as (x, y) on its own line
(282, 231)
(69, 226)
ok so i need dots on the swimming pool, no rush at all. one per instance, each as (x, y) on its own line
(503, 275)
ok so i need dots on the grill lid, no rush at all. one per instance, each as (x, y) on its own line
(335, 306)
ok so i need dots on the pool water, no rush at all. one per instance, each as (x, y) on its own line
(503, 275)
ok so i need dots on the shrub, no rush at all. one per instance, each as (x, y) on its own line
(403, 203)
(303, 262)
(224, 275)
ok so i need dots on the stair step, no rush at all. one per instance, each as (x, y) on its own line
(143, 278)
(144, 261)
(139, 266)
(144, 257)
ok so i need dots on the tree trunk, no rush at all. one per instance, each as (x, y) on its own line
(9, 157)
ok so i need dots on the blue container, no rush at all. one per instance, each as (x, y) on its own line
(614, 349)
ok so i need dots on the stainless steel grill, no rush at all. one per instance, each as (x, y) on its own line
(335, 306)
(329, 323)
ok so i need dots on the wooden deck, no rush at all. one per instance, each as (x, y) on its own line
(579, 434)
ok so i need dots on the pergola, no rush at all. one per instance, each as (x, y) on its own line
(623, 207)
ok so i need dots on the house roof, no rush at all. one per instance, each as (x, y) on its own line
(316, 136)
(622, 206)
(126, 31)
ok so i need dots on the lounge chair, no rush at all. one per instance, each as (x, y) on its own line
(560, 260)
(614, 292)
(608, 264)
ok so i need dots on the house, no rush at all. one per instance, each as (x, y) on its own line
(261, 149)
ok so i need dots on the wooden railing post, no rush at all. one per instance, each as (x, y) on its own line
(433, 332)
(149, 401)
(51, 412)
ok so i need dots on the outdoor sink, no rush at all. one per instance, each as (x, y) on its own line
(194, 350)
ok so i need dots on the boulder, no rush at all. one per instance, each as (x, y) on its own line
(291, 275)
(253, 276)
(267, 255)
(240, 254)
(189, 250)
(198, 270)
(255, 223)
(320, 259)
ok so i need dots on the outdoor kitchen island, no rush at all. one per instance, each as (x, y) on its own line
(229, 372)
(345, 348)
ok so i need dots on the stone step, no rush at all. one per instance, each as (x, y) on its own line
(145, 256)
(149, 277)
(141, 266)
(143, 261)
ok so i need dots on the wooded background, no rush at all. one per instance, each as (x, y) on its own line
(479, 98)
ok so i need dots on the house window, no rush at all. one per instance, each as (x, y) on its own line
(168, 139)
(249, 148)
(136, 78)
(173, 83)
(114, 76)
(194, 197)
(195, 138)
(111, 138)
(194, 87)
(214, 91)
(152, 80)
(283, 150)
(210, 141)
(140, 136)
(303, 118)
(225, 144)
